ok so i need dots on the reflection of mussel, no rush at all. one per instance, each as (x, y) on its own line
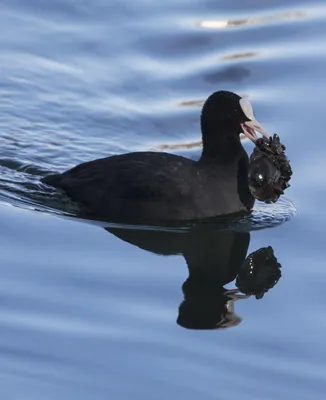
(214, 259)
(259, 272)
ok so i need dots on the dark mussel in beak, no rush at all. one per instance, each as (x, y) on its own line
(263, 175)
(269, 170)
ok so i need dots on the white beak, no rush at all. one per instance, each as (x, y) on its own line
(249, 128)
(252, 125)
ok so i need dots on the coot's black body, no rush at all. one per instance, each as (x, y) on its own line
(152, 187)
(181, 189)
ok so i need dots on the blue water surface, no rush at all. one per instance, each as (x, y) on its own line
(87, 315)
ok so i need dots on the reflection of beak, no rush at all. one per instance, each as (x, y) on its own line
(230, 319)
(234, 294)
(249, 128)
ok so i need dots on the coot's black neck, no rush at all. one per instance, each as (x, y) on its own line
(224, 155)
(221, 141)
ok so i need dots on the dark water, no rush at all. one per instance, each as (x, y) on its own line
(86, 315)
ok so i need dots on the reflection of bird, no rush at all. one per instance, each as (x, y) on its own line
(214, 258)
(148, 186)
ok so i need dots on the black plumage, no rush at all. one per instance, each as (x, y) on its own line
(152, 186)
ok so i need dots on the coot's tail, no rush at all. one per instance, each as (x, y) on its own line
(52, 180)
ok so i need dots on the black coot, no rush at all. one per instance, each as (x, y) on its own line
(150, 187)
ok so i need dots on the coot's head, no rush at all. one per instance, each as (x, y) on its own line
(227, 113)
